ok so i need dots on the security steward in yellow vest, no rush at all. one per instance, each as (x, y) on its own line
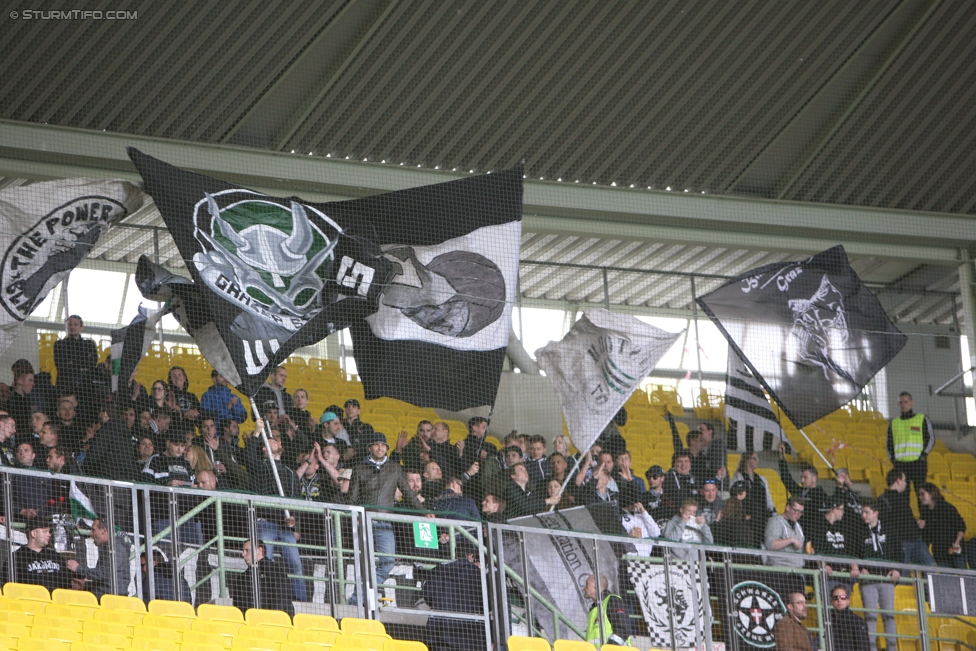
(617, 628)
(910, 439)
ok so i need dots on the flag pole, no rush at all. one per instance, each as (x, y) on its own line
(816, 449)
(267, 447)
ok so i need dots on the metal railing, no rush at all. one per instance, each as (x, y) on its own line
(520, 592)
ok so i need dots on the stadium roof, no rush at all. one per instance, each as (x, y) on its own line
(805, 124)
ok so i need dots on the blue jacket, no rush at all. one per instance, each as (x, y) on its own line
(215, 401)
(450, 503)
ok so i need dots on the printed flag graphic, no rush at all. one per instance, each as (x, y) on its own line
(439, 336)
(81, 507)
(598, 365)
(46, 229)
(751, 422)
(809, 331)
(271, 274)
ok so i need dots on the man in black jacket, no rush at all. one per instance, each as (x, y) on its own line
(834, 537)
(456, 587)
(815, 498)
(38, 564)
(519, 496)
(880, 544)
(73, 356)
(896, 511)
(274, 591)
(848, 631)
(272, 524)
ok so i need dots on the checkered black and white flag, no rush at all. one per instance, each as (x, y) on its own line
(652, 591)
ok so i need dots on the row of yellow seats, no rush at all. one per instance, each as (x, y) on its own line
(32, 617)
(520, 643)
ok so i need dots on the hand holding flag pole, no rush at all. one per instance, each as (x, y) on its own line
(267, 447)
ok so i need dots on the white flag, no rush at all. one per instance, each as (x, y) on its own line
(749, 418)
(598, 365)
(46, 229)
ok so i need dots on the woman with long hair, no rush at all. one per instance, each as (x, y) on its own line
(735, 527)
(941, 526)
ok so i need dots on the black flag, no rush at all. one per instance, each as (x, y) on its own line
(439, 336)
(269, 275)
(809, 331)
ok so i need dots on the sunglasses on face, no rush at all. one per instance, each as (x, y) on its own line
(839, 597)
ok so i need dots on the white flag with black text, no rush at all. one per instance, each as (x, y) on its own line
(598, 365)
(46, 229)
(750, 421)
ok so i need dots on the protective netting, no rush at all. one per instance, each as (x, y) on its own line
(418, 322)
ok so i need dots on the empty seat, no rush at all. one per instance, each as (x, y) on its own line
(275, 633)
(220, 613)
(54, 633)
(572, 645)
(74, 598)
(70, 612)
(255, 644)
(38, 644)
(16, 617)
(50, 621)
(26, 591)
(220, 627)
(261, 617)
(313, 636)
(102, 639)
(115, 602)
(122, 617)
(154, 644)
(14, 630)
(319, 622)
(153, 633)
(351, 625)
(115, 628)
(520, 643)
(404, 645)
(200, 637)
(171, 608)
(163, 621)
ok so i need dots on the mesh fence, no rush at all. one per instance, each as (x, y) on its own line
(423, 314)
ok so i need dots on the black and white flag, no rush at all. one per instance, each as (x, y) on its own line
(809, 331)
(130, 344)
(46, 229)
(682, 603)
(272, 274)
(439, 336)
(598, 365)
(750, 420)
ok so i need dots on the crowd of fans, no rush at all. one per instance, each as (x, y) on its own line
(169, 436)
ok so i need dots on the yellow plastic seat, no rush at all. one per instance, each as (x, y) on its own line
(317, 622)
(220, 613)
(7, 642)
(53, 633)
(92, 626)
(364, 641)
(313, 636)
(615, 647)
(404, 645)
(298, 646)
(26, 591)
(195, 646)
(262, 617)
(520, 643)
(572, 645)
(205, 639)
(218, 626)
(255, 644)
(104, 639)
(128, 618)
(350, 625)
(115, 602)
(50, 621)
(74, 598)
(165, 621)
(38, 644)
(153, 633)
(14, 630)
(154, 644)
(70, 612)
(171, 608)
(273, 633)
(16, 617)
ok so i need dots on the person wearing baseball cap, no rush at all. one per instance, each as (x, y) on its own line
(36, 563)
(835, 538)
(658, 505)
(332, 432)
(359, 432)
(374, 483)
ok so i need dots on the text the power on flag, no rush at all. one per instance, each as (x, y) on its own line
(274, 273)
(751, 422)
(598, 365)
(810, 331)
(439, 336)
(46, 229)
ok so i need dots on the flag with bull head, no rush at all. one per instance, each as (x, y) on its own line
(269, 275)
(810, 331)
(46, 230)
(598, 365)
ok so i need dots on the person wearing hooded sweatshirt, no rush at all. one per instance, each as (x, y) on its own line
(219, 402)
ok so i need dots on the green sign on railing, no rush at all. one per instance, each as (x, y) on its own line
(425, 535)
